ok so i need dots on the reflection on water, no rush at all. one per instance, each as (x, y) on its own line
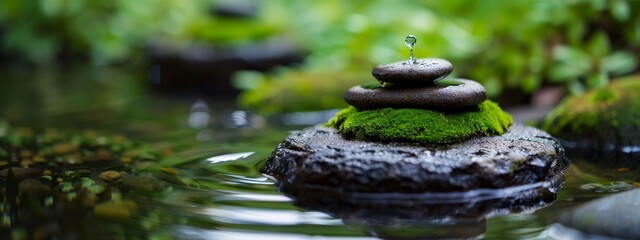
(211, 154)
(191, 233)
(229, 157)
(249, 215)
(457, 215)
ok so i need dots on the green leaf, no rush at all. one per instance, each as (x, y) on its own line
(530, 83)
(575, 33)
(620, 10)
(619, 63)
(576, 87)
(537, 59)
(562, 73)
(598, 5)
(598, 45)
(572, 57)
(493, 86)
(247, 80)
(599, 79)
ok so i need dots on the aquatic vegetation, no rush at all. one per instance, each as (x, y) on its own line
(82, 177)
(424, 126)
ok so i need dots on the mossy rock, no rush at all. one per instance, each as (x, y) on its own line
(604, 118)
(419, 125)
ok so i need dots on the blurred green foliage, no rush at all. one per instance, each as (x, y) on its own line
(505, 45)
(114, 31)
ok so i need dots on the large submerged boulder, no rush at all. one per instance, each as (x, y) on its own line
(320, 158)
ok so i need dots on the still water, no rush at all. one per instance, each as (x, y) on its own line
(216, 150)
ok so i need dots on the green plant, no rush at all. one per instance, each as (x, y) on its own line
(514, 45)
(115, 31)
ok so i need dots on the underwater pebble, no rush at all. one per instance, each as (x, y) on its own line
(110, 176)
(100, 155)
(21, 173)
(33, 188)
(116, 209)
(62, 148)
(143, 182)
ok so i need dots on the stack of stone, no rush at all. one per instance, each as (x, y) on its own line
(415, 85)
(320, 163)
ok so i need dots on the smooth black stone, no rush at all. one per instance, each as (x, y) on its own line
(424, 72)
(318, 158)
(616, 216)
(468, 93)
(391, 208)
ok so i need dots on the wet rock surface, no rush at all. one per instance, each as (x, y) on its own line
(424, 72)
(467, 94)
(616, 216)
(319, 158)
(385, 209)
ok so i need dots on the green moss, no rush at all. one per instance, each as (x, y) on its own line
(418, 125)
(609, 115)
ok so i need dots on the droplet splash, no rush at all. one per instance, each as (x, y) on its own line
(410, 41)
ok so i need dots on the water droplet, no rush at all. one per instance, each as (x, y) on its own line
(410, 41)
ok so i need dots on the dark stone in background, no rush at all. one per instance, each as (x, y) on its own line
(207, 69)
(616, 216)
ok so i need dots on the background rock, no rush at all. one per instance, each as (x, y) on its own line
(616, 215)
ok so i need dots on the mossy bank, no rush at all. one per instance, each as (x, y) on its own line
(605, 118)
(422, 126)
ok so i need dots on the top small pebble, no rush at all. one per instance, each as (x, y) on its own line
(424, 72)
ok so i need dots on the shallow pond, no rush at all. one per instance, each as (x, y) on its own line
(216, 150)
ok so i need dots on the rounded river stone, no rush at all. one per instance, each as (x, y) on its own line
(617, 216)
(424, 72)
(468, 93)
(319, 158)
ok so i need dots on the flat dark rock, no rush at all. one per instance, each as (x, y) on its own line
(424, 72)
(468, 93)
(616, 216)
(391, 208)
(319, 158)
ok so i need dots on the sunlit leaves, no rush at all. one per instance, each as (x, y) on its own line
(570, 63)
(620, 10)
(619, 62)
(598, 45)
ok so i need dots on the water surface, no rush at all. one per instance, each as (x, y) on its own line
(217, 151)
